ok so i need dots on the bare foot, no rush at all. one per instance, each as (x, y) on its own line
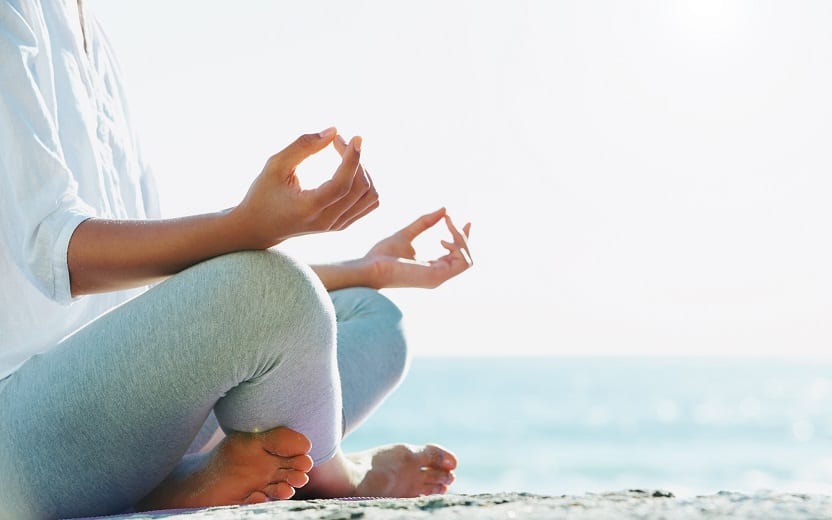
(404, 471)
(398, 470)
(245, 468)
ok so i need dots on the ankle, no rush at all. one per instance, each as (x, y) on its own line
(336, 478)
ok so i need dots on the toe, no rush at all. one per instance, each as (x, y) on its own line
(301, 463)
(297, 479)
(434, 489)
(292, 477)
(433, 456)
(279, 491)
(256, 497)
(438, 476)
(285, 442)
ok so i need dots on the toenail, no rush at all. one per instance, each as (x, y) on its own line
(439, 459)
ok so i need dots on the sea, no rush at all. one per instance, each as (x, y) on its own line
(574, 425)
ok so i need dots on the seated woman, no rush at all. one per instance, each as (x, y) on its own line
(234, 378)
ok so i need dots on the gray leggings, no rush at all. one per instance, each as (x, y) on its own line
(93, 425)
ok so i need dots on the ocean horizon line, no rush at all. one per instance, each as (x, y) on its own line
(824, 358)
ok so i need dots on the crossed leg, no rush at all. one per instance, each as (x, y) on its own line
(105, 418)
(96, 423)
(372, 360)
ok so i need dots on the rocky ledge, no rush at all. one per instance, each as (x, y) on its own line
(632, 504)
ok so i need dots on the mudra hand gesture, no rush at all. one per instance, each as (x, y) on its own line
(276, 207)
(394, 258)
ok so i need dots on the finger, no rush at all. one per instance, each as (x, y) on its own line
(339, 185)
(359, 208)
(303, 147)
(451, 247)
(340, 144)
(368, 200)
(459, 239)
(330, 216)
(421, 224)
(466, 255)
(359, 216)
(341, 147)
(467, 230)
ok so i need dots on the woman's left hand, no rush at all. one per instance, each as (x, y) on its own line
(394, 261)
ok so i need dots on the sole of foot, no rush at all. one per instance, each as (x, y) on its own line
(245, 468)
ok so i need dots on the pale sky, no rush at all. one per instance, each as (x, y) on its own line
(643, 177)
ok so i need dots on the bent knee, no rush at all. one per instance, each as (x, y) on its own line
(365, 303)
(390, 321)
(268, 297)
(379, 320)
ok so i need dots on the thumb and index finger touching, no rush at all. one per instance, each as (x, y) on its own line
(305, 146)
(309, 144)
(340, 183)
(427, 221)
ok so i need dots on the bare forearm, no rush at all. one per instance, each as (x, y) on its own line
(352, 273)
(109, 255)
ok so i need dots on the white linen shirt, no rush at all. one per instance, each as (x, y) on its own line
(67, 153)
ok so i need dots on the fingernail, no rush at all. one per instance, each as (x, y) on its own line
(356, 143)
(326, 134)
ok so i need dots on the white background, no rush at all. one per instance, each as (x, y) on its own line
(643, 177)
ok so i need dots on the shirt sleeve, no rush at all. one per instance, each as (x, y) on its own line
(39, 203)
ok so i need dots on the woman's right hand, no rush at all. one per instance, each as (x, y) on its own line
(276, 207)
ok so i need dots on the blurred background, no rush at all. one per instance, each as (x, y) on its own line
(649, 188)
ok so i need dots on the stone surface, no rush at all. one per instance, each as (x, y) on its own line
(633, 504)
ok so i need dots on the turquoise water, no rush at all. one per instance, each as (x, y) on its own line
(571, 425)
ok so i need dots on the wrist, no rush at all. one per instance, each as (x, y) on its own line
(364, 272)
(352, 273)
(375, 272)
(238, 229)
